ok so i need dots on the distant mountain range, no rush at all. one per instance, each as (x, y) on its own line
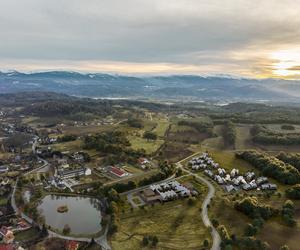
(181, 87)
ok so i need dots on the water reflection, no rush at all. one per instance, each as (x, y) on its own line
(83, 216)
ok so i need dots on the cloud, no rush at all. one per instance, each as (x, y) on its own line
(295, 68)
(197, 33)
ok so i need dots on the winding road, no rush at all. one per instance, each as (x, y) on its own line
(204, 214)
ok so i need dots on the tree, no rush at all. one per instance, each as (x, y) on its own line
(44, 231)
(66, 229)
(145, 241)
(150, 135)
(215, 223)
(18, 140)
(250, 230)
(206, 243)
(154, 241)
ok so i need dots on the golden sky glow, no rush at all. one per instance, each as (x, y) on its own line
(288, 63)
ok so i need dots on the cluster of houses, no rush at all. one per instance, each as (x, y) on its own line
(233, 180)
(167, 191)
(12, 128)
(106, 121)
(45, 140)
(16, 225)
(19, 163)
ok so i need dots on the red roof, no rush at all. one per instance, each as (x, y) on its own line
(7, 247)
(72, 245)
(117, 171)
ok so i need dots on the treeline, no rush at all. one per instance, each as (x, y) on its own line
(108, 142)
(66, 106)
(202, 127)
(229, 133)
(115, 145)
(135, 123)
(262, 134)
(251, 207)
(287, 127)
(293, 192)
(271, 166)
(293, 159)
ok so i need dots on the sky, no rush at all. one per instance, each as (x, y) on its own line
(249, 38)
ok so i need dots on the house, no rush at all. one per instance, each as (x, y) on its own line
(221, 171)
(234, 172)
(118, 172)
(268, 186)
(22, 225)
(261, 180)
(209, 173)
(72, 245)
(78, 156)
(229, 188)
(168, 195)
(219, 179)
(71, 173)
(7, 235)
(250, 176)
(143, 161)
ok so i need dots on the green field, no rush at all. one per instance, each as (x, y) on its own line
(141, 143)
(161, 127)
(284, 234)
(243, 137)
(176, 224)
(277, 128)
(228, 161)
(27, 235)
(3, 201)
(68, 146)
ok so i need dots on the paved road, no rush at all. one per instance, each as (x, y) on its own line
(204, 214)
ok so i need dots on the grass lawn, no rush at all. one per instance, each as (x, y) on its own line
(3, 201)
(277, 128)
(176, 128)
(68, 146)
(84, 130)
(243, 137)
(176, 224)
(227, 160)
(162, 126)
(27, 235)
(284, 235)
(141, 143)
(224, 213)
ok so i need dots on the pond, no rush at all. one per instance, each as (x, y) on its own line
(83, 215)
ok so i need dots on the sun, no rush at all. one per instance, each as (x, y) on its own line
(287, 63)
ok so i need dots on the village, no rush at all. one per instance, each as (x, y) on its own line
(233, 180)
